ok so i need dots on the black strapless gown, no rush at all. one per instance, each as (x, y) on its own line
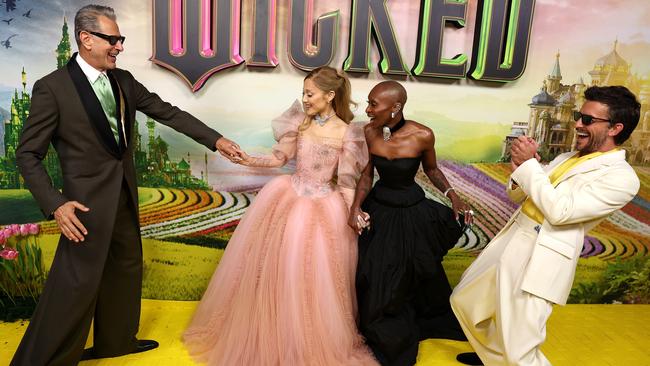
(402, 288)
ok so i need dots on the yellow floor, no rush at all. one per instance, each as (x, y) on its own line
(578, 335)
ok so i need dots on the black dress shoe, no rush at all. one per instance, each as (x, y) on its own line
(145, 345)
(142, 345)
(469, 358)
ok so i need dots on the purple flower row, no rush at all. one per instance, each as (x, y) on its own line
(481, 181)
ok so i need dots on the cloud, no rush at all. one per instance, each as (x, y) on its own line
(557, 3)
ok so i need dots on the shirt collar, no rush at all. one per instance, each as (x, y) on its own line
(91, 73)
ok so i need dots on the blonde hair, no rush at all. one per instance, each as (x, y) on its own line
(328, 79)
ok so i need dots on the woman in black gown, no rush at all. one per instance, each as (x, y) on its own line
(402, 290)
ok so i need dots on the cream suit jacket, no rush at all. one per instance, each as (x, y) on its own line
(582, 198)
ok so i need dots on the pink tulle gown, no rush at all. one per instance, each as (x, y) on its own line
(283, 293)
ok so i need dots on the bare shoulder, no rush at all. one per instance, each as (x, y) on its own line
(369, 130)
(420, 131)
(338, 124)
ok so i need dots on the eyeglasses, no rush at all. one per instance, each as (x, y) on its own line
(587, 119)
(112, 40)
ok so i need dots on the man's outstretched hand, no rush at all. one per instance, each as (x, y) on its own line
(229, 149)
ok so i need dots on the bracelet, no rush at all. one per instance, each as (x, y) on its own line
(447, 191)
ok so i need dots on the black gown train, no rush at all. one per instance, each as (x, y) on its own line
(402, 288)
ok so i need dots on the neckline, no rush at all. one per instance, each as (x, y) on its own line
(397, 126)
(406, 157)
(322, 120)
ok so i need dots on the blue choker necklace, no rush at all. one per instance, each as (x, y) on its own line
(321, 121)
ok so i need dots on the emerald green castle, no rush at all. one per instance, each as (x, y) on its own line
(153, 166)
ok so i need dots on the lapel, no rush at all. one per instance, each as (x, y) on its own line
(117, 91)
(93, 108)
(595, 163)
(558, 160)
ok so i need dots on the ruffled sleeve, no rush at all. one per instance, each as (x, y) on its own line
(352, 161)
(285, 131)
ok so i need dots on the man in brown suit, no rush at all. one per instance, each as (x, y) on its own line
(87, 111)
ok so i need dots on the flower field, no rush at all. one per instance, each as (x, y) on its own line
(208, 218)
(185, 232)
(623, 234)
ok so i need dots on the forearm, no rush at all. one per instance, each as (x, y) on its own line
(438, 179)
(153, 106)
(363, 188)
(267, 161)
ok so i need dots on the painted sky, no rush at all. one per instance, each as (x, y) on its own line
(239, 102)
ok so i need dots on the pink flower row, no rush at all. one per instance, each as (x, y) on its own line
(9, 231)
(18, 230)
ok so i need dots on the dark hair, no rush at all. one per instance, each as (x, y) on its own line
(622, 105)
(328, 79)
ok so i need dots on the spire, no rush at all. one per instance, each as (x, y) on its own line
(556, 73)
(63, 49)
(24, 76)
(206, 169)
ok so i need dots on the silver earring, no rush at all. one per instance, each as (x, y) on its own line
(392, 115)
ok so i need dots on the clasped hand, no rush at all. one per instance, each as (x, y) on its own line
(523, 148)
(359, 220)
(229, 149)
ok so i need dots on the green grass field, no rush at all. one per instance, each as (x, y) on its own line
(172, 271)
(18, 206)
(175, 271)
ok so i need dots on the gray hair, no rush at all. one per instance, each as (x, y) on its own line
(86, 19)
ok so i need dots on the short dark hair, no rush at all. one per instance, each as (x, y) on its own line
(623, 107)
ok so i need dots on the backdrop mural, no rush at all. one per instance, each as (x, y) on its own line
(475, 101)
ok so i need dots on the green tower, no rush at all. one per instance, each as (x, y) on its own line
(63, 49)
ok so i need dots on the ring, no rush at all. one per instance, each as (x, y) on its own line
(471, 212)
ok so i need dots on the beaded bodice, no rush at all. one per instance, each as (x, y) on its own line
(317, 158)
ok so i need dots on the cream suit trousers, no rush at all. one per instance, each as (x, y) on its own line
(504, 324)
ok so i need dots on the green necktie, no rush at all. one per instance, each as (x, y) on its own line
(104, 92)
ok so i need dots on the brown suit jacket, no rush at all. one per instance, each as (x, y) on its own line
(66, 112)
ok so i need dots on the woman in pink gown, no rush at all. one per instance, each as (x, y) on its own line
(283, 293)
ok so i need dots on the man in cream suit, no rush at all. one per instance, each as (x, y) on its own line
(505, 297)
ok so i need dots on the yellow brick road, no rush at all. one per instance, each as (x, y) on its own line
(578, 335)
